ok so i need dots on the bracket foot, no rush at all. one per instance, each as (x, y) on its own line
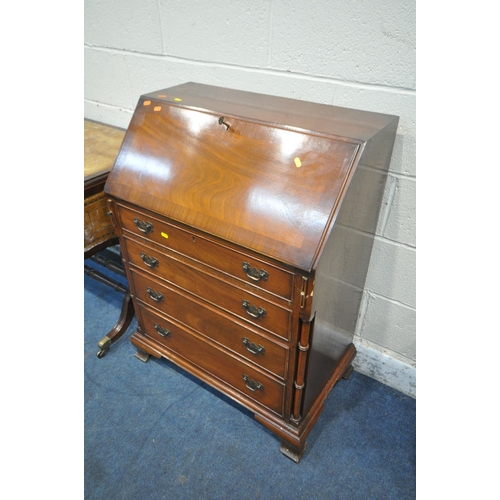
(291, 452)
(141, 355)
(347, 372)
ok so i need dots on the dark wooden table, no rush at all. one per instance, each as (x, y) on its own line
(102, 143)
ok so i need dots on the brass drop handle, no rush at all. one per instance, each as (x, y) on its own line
(149, 261)
(222, 122)
(253, 273)
(145, 227)
(253, 348)
(255, 312)
(252, 384)
(156, 296)
(162, 331)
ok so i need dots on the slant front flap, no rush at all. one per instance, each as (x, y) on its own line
(264, 187)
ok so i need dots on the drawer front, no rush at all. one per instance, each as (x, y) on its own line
(208, 322)
(246, 380)
(240, 302)
(248, 269)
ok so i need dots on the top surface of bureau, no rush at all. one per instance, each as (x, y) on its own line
(264, 173)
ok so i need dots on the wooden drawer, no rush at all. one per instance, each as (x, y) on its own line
(209, 322)
(249, 269)
(247, 306)
(240, 376)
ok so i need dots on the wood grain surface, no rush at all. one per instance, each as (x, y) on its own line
(265, 187)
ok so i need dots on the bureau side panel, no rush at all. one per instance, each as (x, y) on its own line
(342, 268)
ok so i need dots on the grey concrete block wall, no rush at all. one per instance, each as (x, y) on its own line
(353, 54)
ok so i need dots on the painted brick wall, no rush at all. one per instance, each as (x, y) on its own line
(354, 54)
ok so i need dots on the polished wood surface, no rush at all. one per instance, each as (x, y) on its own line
(276, 319)
(209, 252)
(217, 362)
(246, 224)
(224, 329)
(267, 109)
(265, 187)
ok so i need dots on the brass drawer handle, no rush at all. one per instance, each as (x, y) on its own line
(253, 348)
(162, 331)
(255, 312)
(156, 296)
(253, 273)
(145, 227)
(252, 384)
(149, 261)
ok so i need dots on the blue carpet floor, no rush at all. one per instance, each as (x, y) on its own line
(154, 432)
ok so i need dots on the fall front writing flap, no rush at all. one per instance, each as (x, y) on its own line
(269, 187)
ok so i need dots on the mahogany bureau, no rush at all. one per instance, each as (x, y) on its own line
(246, 223)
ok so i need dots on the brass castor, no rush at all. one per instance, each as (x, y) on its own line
(104, 344)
